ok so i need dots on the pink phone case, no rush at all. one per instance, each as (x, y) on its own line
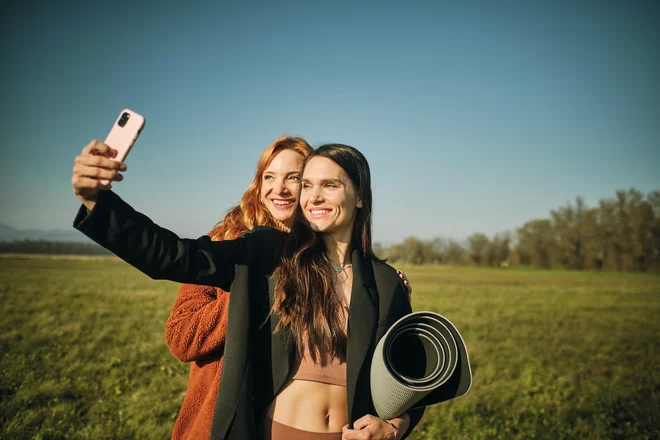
(123, 134)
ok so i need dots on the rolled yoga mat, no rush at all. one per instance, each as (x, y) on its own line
(420, 361)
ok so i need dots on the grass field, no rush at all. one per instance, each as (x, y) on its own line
(555, 355)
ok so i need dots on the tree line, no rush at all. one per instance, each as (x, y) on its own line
(620, 233)
(51, 247)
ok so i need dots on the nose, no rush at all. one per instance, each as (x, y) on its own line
(316, 197)
(280, 187)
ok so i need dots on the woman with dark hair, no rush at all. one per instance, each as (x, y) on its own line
(313, 291)
(306, 310)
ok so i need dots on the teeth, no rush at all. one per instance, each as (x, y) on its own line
(282, 202)
(319, 211)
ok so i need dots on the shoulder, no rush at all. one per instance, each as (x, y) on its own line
(264, 233)
(388, 281)
(217, 233)
(385, 273)
(393, 294)
(264, 243)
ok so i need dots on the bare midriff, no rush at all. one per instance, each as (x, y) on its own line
(310, 406)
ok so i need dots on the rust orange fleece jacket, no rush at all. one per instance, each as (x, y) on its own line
(195, 332)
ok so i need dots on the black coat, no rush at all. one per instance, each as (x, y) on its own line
(257, 359)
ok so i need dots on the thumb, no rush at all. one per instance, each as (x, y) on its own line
(362, 423)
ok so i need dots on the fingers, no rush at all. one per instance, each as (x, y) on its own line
(372, 428)
(96, 172)
(92, 160)
(406, 283)
(363, 422)
(98, 148)
(352, 434)
(81, 184)
(87, 180)
(94, 165)
(345, 430)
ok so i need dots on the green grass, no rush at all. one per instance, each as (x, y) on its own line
(554, 354)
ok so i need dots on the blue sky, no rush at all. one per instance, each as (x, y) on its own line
(474, 116)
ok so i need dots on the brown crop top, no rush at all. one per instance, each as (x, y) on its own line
(334, 373)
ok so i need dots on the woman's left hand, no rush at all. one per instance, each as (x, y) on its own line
(369, 428)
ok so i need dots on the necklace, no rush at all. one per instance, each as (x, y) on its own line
(340, 267)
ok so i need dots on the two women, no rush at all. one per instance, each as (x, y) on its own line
(301, 303)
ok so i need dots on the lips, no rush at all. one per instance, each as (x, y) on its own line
(283, 203)
(319, 212)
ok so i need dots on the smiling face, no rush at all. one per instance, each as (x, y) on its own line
(280, 185)
(328, 198)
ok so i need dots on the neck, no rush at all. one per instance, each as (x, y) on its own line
(339, 249)
(282, 226)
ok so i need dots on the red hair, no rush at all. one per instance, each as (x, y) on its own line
(251, 212)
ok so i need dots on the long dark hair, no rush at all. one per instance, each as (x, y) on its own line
(304, 296)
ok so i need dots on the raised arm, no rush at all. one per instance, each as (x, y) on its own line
(156, 251)
(159, 253)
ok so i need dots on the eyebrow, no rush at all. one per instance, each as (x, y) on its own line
(324, 181)
(287, 174)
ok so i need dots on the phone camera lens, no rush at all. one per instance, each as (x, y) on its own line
(124, 118)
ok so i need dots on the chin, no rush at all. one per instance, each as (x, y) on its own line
(285, 220)
(316, 228)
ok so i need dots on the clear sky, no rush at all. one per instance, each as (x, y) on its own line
(474, 116)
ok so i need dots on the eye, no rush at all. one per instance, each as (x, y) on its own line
(331, 185)
(306, 186)
(268, 177)
(294, 178)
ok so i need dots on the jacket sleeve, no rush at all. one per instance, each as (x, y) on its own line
(415, 417)
(197, 325)
(160, 253)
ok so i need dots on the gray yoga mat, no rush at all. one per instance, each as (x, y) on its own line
(421, 360)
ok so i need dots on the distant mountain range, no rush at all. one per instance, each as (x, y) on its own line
(8, 234)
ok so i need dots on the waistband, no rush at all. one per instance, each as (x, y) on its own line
(277, 431)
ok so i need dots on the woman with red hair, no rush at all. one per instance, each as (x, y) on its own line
(196, 328)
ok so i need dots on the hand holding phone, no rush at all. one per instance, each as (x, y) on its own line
(123, 134)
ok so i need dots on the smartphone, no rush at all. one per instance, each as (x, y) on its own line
(124, 133)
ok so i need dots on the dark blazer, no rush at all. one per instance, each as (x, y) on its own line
(257, 359)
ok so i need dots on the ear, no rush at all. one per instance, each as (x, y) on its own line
(359, 203)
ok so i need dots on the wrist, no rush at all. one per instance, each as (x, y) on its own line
(395, 429)
(401, 425)
(88, 200)
(89, 204)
